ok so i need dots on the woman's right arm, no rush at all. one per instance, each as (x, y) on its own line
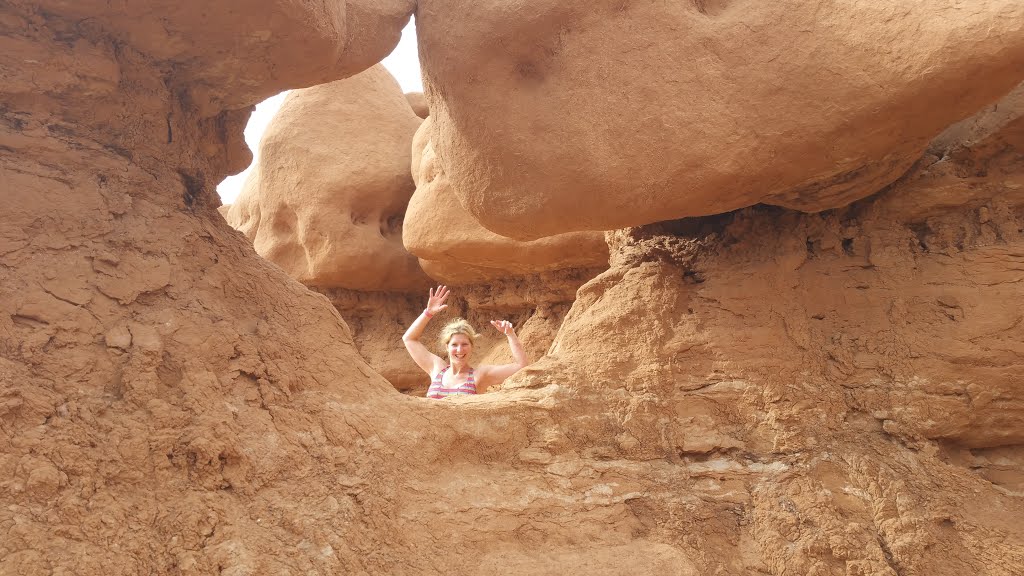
(425, 359)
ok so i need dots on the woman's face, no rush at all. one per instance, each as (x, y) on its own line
(459, 349)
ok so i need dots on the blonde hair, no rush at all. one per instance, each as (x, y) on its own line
(457, 326)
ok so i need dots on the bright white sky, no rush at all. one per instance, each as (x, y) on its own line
(404, 65)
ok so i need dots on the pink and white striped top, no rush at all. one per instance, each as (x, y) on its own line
(438, 391)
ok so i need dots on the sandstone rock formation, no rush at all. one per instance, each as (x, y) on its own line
(838, 393)
(531, 283)
(759, 392)
(300, 208)
(598, 115)
(419, 103)
(273, 45)
(157, 414)
(326, 200)
(456, 249)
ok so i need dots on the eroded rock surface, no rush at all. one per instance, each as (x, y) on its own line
(454, 248)
(326, 200)
(838, 392)
(224, 56)
(419, 103)
(597, 115)
(170, 403)
(531, 283)
(757, 392)
(326, 203)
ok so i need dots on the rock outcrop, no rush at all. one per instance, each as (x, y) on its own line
(455, 249)
(170, 403)
(757, 392)
(599, 115)
(326, 200)
(836, 393)
(419, 103)
(326, 203)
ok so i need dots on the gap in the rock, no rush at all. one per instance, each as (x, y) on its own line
(404, 65)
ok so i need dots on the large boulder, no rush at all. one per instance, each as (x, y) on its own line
(598, 115)
(229, 55)
(326, 199)
(456, 249)
(419, 103)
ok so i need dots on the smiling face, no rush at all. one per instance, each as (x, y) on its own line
(460, 347)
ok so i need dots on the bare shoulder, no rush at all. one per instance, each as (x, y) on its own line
(495, 373)
(439, 365)
(484, 370)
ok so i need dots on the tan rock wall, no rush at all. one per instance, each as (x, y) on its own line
(821, 413)
(155, 414)
(851, 377)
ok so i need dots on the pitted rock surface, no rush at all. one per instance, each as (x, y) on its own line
(326, 199)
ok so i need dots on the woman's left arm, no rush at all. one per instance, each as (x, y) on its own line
(496, 374)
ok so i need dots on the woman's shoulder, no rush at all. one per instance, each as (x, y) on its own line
(482, 370)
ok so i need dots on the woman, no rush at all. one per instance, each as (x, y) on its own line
(457, 375)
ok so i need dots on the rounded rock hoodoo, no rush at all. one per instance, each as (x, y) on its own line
(455, 248)
(419, 103)
(326, 202)
(763, 391)
(599, 115)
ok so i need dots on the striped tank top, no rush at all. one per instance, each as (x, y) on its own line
(437, 389)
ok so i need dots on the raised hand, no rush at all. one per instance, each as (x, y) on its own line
(436, 301)
(504, 326)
